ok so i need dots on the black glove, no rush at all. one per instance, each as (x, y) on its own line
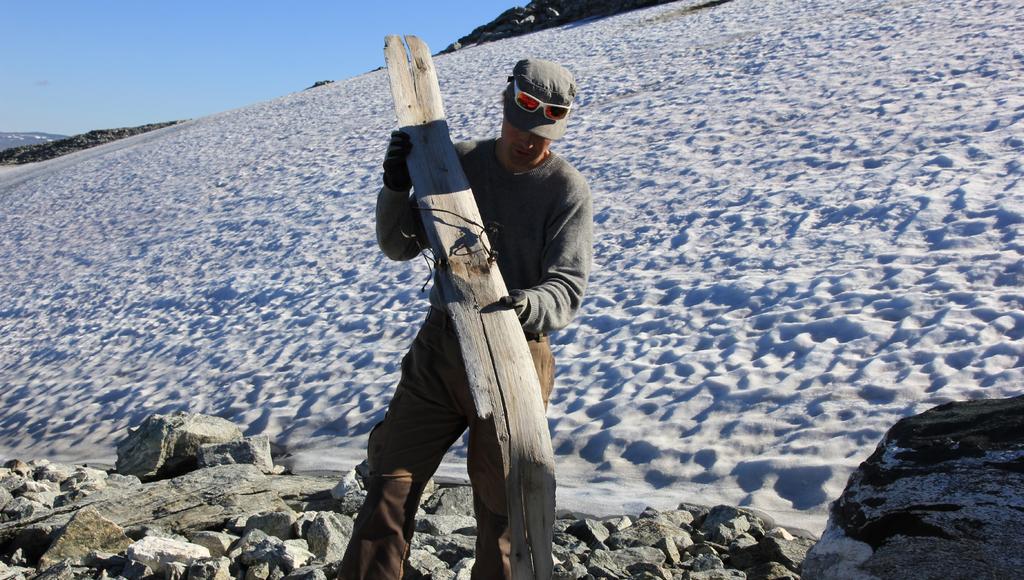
(517, 299)
(396, 172)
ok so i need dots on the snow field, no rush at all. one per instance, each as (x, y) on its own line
(807, 220)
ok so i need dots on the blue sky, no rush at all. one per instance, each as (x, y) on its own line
(74, 65)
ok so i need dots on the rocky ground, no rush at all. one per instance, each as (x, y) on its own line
(543, 14)
(233, 514)
(52, 149)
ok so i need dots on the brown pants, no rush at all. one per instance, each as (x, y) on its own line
(430, 410)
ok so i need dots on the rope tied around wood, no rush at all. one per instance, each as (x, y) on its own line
(463, 246)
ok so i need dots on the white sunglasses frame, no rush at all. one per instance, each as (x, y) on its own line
(543, 107)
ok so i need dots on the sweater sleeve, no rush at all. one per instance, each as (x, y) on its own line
(399, 230)
(566, 259)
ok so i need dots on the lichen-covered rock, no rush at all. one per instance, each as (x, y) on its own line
(942, 492)
(87, 531)
(168, 445)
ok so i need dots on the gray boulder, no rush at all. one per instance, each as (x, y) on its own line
(422, 565)
(942, 493)
(5, 498)
(279, 524)
(444, 525)
(450, 549)
(162, 554)
(328, 535)
(451, 501)
(218, 543)
(168, 445)
(250, 451)
(648, 532)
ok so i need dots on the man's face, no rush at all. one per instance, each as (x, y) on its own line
(521, 150)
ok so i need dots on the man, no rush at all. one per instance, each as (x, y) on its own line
(544, 250)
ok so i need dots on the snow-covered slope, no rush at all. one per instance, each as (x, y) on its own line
(807, 224)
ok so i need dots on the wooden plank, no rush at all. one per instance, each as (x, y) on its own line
(498, 363)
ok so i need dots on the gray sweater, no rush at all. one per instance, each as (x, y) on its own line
(545, 243)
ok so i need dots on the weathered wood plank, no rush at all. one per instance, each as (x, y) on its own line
(498, 361)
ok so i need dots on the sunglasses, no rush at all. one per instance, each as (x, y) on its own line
(530, 104)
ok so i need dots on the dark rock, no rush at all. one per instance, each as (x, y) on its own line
(590, 532)
(942, 492)
(542, 14)
(770, 571)
(451, 549)
(61, 571)
(789, 553)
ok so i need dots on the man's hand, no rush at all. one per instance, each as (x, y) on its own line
(396, 172)
(518, 300)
